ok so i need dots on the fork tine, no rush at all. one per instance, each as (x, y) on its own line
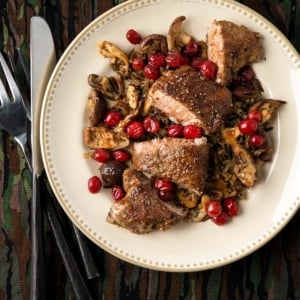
(25, 69)
(24, 65)
(3, 94)
(10, 80)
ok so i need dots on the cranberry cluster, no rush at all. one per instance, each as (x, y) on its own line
(165, 189)
(189, 54)
(221, 212)
(249, 127)
(136, 129)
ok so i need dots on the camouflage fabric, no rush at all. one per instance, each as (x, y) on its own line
(272, 272)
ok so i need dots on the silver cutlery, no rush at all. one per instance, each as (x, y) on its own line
(13, 119)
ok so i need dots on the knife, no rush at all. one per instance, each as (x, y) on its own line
(42, 61)
(42, 57)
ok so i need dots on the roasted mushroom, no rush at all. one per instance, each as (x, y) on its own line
(112, 88)
(154, 43)
(244, 165)
(102, 137)
(199, 213)
(118, 59)
(132, 96)
(176, 36)
(96, 108)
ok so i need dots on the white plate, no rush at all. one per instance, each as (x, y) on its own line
(186, 247)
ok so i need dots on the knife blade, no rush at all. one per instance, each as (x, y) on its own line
(42, 58)
(42, 61)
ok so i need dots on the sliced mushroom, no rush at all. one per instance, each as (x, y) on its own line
(231, 135)
(132, 95)
(118, 59)
(111, 88)
(96, 108)
(102, 137)
(267, 108)
(244, 167)
(199, 213)
(154, 43)
(176, 36)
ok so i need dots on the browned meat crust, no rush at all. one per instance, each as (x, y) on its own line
(231, 47)
(186, 98)
(182, 161)
(141, 211)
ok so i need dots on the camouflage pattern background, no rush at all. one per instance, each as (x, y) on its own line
(272, 272)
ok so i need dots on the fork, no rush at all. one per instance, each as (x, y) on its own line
(87, 259)
(13, 115)
(13, 119)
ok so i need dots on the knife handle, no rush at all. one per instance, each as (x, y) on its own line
(80, 239)
(89, 265)
(79, 286)
(37, 243)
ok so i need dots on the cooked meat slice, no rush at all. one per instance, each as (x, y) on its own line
(141, 211)
(231, 47)
(183, 161)
(186, 98)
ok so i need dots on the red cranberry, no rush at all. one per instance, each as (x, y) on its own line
(175, 59)
(151, 72)
(164, 185)
(247, 126)
(135, 129)
(192, 131)
(133, 37)
(157, 60)
(197, 62)
(112, 118)
(94, 184)
(138, 64)
(121, 155)
(101, 155)
(255, 115)
(214, 208)
(246, 74)
(175, 130)
(117, 192)
(222, 219)
(209, 69)
(191, 49)
(166, 195)
(231, 207)
(151, 124)
(256, 140)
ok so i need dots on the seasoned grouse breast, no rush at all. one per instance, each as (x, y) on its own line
(141, 211)
(186, 98)
(183, 161)
(231, 47)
